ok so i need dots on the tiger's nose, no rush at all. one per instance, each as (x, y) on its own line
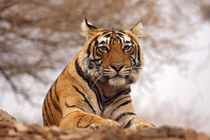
(117, 66)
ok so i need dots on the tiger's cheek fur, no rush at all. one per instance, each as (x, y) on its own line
(87, 66)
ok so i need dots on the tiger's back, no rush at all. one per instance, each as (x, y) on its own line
(93, 91)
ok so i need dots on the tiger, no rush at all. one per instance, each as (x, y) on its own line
(93, 91)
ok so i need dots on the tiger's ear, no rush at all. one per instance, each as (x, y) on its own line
(138, 29)
(88, 29)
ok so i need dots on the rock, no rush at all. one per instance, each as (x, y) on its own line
(6, 118)
(18, 131)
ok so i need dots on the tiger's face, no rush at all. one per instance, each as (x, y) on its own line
(111, 56)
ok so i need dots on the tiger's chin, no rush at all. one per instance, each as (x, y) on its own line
(117, 81)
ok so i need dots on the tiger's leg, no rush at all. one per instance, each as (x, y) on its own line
(138, 124)
(79, 119)
(122, 111)
(129, 120)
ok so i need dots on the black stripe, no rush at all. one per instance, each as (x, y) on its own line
(43, 114)
(94, 47)
(90, 84)
(121, 99)
(108, 35)
(132, 41)
(79, 71)
(133, 50)
(125, 91)
(93, 52)
(138, 55)
(96, 42)
(54, 104)
(139, 63)
(88, 50)
(97, 53)
(44, 121)
(102, 42)
(98, 97)
(95, 60)
(122, 104)
(85, 99)
(105, 32)
(64, 70)
(112, 98)
(71, 106)
(129, 123)
(90, 25)
(110, 40)
(89, 46)
(133, 62)
(89, 123)
(122, 32)
(56, 90)
(68, 114)
(120, 40)
(121, 35)
(80, 120)
(108, 103)
(106, 97)
(46, 111)
(50, 107)
(124, 114)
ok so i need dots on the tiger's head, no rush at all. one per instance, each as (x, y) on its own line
(111, 56)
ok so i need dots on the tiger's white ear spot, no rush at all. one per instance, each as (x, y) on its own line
(84, 29)
(87, 28)
(138, 29)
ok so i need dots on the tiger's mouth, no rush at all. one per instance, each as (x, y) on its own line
(116, 80)
(117, 76)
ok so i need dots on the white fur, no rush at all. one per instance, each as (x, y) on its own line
(83, 61)
(85, 29)
(118, 81)
(138, 29)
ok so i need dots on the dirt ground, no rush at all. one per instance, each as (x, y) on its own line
(10, 129)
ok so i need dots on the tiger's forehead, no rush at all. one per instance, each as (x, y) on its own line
(114, 36)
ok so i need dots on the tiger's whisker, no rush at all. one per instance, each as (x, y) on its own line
(96, 80)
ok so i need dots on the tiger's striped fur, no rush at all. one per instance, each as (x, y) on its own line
(93, 91)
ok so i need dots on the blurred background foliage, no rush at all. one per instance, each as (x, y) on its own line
(39, 37)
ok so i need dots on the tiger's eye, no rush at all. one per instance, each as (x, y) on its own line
(103, 49)
(126, 48)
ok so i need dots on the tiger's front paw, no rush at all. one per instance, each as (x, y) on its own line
(104, 123)
(140, 124)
